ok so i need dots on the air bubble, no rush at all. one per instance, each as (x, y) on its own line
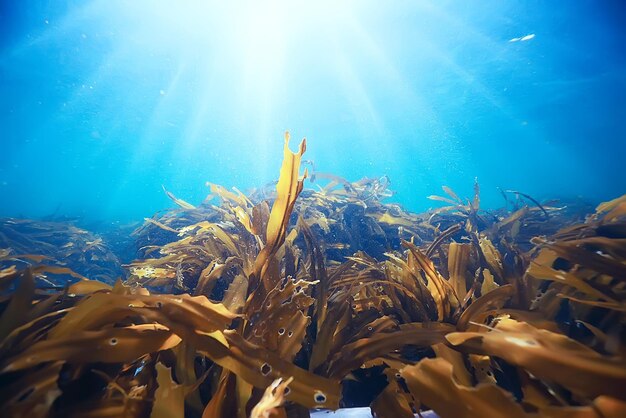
(370, 329)
(319, 397)
(266, 369)
(281, 331)
(290, 334)
(113, 341)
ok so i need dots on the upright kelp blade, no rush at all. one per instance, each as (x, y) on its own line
(288, 188)
(318, 272)
(337, 318)
(223, 403)
(439, 288)
(169, 399)
(390, 403)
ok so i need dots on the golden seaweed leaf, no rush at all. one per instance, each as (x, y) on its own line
(458, 259)
(543, 272)
(550, 356)
(161, 225)
(273, 398)
(260, 367)
(439, 288)
(392, 402)
(112, 345)
(488, 283)
(492, 300)
(282, 320)
(492, 256)
(353, 355)
(432, 382)
(610, 205)
(101, 309)
(179, 202)
(169, 399)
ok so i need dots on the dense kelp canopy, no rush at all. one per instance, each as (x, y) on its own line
(282, 301)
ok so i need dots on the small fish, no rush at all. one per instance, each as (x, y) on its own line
(523, 38)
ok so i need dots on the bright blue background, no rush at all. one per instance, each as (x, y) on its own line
(103, 101)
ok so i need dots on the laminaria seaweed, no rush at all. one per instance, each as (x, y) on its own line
(277, 303)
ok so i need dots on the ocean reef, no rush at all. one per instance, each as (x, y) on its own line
(293, 299)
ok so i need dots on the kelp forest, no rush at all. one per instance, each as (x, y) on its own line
(290, 299)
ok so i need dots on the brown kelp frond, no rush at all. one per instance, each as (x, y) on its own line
(585, 263)
(59, 244)
(289, 299)
(548, 356)
(273, 398)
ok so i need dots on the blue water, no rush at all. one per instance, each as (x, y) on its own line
(102, 102)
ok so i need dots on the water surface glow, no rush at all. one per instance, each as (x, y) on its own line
(105, 101)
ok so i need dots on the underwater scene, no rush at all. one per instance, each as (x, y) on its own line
(295, 209)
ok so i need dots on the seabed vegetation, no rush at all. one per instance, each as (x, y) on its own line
(284, 301)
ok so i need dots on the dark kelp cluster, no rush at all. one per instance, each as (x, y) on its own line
(269, 305)
(63, 247)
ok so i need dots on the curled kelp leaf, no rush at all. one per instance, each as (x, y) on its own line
(392, 402)
(353, 355)
(273, 398)
(180, 202)
(431, 381)
(113, 345)
(550, 356)
(260, 367)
